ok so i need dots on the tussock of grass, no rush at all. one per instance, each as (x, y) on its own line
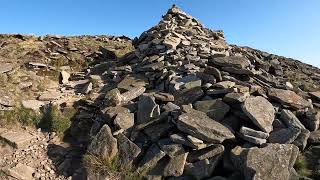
(301, 166)
(109, 167)
(54, 120)
(21, 115)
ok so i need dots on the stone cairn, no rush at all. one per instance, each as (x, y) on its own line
(186, 105)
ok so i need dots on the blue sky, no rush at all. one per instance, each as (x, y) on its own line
(285, 27)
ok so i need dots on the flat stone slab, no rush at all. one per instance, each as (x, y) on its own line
(288, 98)
(50, 96)
(21, 171)
(6, 67)
(17, 139)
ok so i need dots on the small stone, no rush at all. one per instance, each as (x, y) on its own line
(64, 77)
(205, 153)
(133, 93)
(254, 133)
(169, 147)
(32, 104)
(290, 120)
(224, 85)
(314, 137)
(233, 98)
(50, 96)
(113, 97)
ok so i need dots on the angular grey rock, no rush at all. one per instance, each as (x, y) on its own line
(311, 119)
(157, 131)
(171, 42)
(302, 140)
(254, 133)
(132, 94)
(182, 139)
(165, 97)
(199, 125)
(271, 162)
(233, 98)
(113, 97)
(224, 85)
(170, 107)
(284, 136)
(128, 151)
(124, 120)
(132, 81)
(188, 96)
(288, 98)
(176, 165)
(202, 169)
(252, 139)
(314, 137)
(214, 71)
(260, 111)
(170, 148)
(205, 153)
(215, 109)
(290, 120)
(151, 158)
(231, 61)
(87, 88)
(221, 92)
(104, 144)
(147, 109)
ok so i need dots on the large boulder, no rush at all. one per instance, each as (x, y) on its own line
(231, 61)
(274, 161)
(288, 98)
(260, 111)
(104, 144)
(199, 125)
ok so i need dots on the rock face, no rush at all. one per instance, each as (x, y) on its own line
(260, 111)
(274, 161)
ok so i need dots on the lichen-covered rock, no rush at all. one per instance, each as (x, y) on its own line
(104, 144)
(199, 125)
(271, 162)
(260, 111)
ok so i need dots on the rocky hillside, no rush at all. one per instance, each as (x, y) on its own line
(176, 103)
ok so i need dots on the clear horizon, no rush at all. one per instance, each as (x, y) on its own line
(289, 28)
